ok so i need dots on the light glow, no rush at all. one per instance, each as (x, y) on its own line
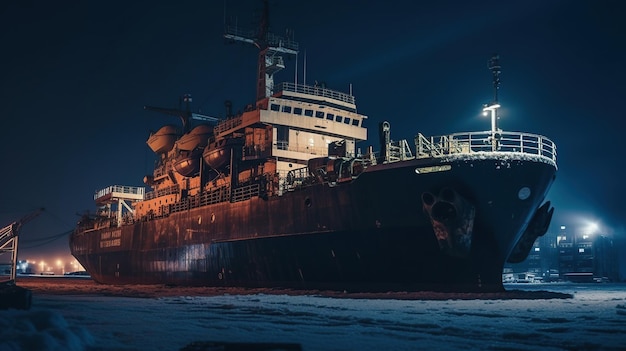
(592, 228)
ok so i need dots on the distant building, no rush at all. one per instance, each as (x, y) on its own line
(585, 256)
(570, 255)
(542, 261)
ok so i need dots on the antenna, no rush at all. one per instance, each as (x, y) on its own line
(270, 47)
(494, 67)
(492, 108)
(295, 80)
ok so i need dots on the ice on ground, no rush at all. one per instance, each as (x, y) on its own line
(41, 329)
(594, 319)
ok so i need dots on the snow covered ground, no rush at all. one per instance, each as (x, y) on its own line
(594, 319)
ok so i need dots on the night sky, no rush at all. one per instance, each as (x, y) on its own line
(76, 75)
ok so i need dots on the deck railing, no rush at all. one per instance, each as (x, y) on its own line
(470, 142)
(317, 91)
(174, 189)
(134, 190)
(227, 124)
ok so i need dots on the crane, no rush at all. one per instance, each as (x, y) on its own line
(12, 296)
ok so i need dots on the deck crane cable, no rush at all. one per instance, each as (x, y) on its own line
(44, 241)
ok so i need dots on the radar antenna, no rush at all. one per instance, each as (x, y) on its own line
(270, 47)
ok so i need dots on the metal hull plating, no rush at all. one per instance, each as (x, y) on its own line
(371, 233)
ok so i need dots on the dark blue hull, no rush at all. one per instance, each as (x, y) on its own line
(373, 233)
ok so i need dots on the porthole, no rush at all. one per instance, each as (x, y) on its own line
(523, 193)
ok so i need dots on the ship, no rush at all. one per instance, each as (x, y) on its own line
(280, 196)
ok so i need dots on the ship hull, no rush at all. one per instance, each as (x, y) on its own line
(372, 233)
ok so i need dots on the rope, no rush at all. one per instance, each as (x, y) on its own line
(44, 241)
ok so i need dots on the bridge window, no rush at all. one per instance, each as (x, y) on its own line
(308, 113)
(319, 114)
(330, 116)
(282, 137)
(346, 120)
(287, 109)
(338, 118)
(275, 107)
(355, 122)
(297, 111)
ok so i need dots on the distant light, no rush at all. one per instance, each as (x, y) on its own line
(537, 249)
(592, 227)
(581, 250)
(562, 227)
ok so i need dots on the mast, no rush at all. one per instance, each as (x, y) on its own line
(492, 108)
(494, 67)
(270, 47)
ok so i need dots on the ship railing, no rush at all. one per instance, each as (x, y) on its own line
(245, 192)
(215, 196)
(293, 179)
(399, 151)
(179, 206)
(182, 205)
(487, 141)
(312, 150)
(227, 124)
(316, 91)
(173, 189)
(159, 172)
(222, 194)
(278, 41)
(121, 189)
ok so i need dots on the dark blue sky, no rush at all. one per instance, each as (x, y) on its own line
(76, 75)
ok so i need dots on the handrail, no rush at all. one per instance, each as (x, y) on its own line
(136, 190)
(245, 192)
(487, 141)
(173, 189)
(227, 124)
(317, 91)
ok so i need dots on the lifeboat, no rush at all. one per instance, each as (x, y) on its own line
(188, 163)
(197, 137)
(217, 153)
(163, 139)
